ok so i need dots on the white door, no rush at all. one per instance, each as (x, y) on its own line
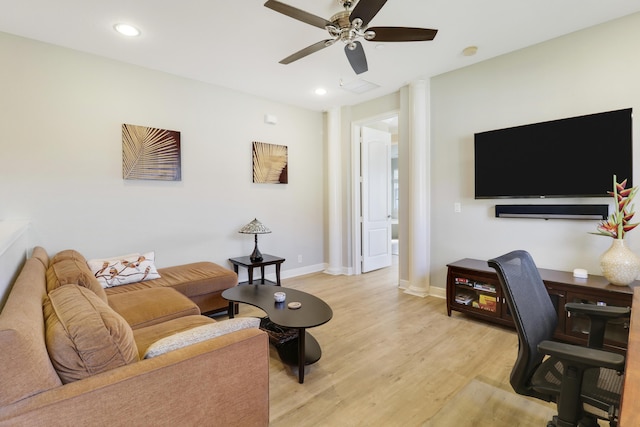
(376, 199)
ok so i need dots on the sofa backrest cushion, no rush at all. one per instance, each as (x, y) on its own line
(84, 335)
(70, 267)
(25, 366)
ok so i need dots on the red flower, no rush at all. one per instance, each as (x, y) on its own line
(618, 222)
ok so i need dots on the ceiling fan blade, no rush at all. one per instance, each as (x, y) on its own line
(298, 14)
(357, 58)
(307, 51)
(402, 34)
(366, 10)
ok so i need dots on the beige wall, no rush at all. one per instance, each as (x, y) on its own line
(586, 72)
(61, 154)
(60, 167)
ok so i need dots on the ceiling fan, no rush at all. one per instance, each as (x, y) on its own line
(348, 26)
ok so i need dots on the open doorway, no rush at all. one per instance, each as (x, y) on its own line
(376, 193)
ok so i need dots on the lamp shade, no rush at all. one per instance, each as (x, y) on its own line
(254, 227)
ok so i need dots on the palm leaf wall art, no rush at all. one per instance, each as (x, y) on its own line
(270, 163)
(150, 153)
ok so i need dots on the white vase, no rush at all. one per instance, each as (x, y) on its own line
(620, 266)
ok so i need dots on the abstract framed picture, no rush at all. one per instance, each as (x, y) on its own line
(270, 163)
(150, 153)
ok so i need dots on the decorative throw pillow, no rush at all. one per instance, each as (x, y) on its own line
(84, 335)
(200, 333)
(126, 269)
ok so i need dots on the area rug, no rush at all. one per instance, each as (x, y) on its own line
(481, 404)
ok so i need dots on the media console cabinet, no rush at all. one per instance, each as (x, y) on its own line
(473, 288)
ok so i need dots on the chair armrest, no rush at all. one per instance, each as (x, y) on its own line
(588, 357)
(598, 315)
(606, 311)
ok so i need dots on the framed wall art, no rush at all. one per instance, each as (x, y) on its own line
(150, 153)
(270, 163)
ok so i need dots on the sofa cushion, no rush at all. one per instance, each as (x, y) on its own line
(146, 307)
(124, 270)
(67, 254)
(70, 267)
(199, 334)
(146, 336)
(84, 335)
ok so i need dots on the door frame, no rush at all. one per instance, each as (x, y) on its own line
(356, 172)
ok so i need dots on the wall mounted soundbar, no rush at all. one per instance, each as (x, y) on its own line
(553, 211)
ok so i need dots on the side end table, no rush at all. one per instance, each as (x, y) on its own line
(246, 262)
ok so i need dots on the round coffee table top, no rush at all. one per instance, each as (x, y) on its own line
(313, 311)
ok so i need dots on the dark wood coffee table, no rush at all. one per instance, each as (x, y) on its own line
(302, 350)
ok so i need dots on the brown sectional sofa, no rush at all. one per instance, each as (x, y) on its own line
(73, 354)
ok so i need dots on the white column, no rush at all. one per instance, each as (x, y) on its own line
(419, 221)
(334, 174)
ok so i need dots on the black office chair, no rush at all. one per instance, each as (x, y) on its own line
(585, 382)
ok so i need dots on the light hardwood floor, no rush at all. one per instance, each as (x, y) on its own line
(388, 358)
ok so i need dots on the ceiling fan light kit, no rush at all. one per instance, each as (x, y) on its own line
(348, 26)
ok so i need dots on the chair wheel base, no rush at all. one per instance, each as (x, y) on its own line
(585, 422)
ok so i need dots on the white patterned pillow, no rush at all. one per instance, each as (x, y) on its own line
(125, 269)
(200, 333)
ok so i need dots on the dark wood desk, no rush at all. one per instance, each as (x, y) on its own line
(245, 261)
(630, 415)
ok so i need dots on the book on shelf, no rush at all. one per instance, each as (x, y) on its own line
(484, 287)
(487, 302)
(474, 284)
(464, 298)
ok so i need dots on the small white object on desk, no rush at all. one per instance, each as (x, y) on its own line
(580, 273)
(279, 296)
(294, 305)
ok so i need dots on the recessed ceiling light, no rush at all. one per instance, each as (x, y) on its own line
(127, 30)
(321, 91)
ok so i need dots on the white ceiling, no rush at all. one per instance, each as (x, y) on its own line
(238, 43)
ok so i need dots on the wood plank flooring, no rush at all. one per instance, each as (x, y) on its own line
(389, 359)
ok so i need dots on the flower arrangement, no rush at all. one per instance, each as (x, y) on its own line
(618, 223)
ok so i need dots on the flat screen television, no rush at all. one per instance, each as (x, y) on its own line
(572, 157)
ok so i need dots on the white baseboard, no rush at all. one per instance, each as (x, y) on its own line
(433, 291)
(438, 292)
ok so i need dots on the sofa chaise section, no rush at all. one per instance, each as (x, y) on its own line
(201, 282)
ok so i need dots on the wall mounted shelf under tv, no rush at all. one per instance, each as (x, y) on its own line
(571, 157)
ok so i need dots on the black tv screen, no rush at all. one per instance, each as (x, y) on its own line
(573, 157)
